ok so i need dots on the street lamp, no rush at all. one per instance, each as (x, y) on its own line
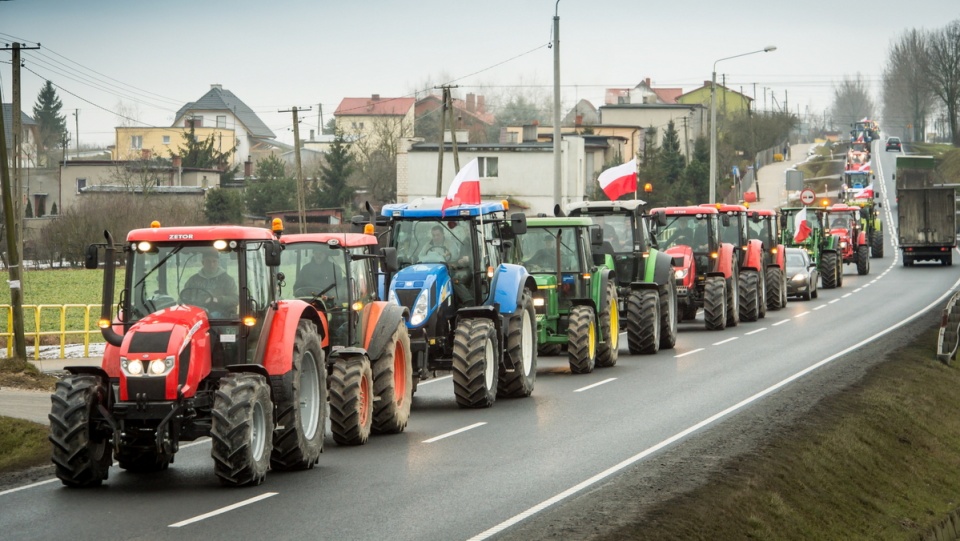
(713, 119)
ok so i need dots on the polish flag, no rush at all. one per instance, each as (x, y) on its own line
(864, 167)
(619, 180)
(465, 189)
(864, 193)
(802, 230)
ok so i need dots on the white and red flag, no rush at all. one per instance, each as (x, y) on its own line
(465, 189)
(619, 180)
(864, 193)
(801, 226)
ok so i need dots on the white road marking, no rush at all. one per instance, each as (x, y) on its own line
(833, 301)
(781, 322)
(857, 290)
(597, 384)
(801, 314)
(725, 341)
(702, 424)
(866, 285)
(820, 307)
(761, 329)
(845, 295)
(222, 510)
(454, 433)
(691, 352)
(434, 380)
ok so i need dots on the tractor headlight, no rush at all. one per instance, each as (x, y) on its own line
(158, 367)
(420, 308)
(133, 368)
(392, 297)
(538, 301)
(680, 274)
(843, 244)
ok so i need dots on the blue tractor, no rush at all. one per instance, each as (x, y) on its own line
(470, 313)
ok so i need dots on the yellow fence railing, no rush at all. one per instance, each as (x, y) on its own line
(52, 320)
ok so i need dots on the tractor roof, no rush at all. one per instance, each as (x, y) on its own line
(673, 211)
(559, 222)
(586, 207)
(199, 233)
(762, 212)
(722, 207)
(429, 207)
(348, 240)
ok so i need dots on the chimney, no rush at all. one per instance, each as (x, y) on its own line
(647, 82)
(311, 135)
(177, 162)
(529, 133)
(480, 107)
(376, 97)
(471, 102)
(579, 120)
(216, 87)
(247, 168)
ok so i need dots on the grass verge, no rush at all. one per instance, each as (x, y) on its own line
(23, 375)
(23, 444)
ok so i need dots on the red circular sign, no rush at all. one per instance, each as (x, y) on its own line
(807, 197)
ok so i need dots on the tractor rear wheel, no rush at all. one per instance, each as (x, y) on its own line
(774, 283)
(863, 259)
(521, 350)
(302, 410)
(581, 340)
(475, 365)
(876, 243)
(351, 400)
(749, 296)
(761, 295)
(643, 321)
(82, 456)
(688, 312)
(715, 303)
(668, 315)
(828, 270)
(241, 429)
(733, 298)
(839, 270)
(549, 350)
(608, 350)
(393, 384)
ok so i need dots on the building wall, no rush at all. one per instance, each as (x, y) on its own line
(109, 173)
(728, 101)
(659, 118)
(363, 128)
(153, 140)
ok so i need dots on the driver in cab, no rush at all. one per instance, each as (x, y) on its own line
(439, 248)
(321, 276)
(212, 287)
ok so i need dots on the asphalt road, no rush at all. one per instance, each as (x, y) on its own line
(458, 474)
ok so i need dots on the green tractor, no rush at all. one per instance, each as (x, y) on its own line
(823, 247)
(576, 300)
(859, 192)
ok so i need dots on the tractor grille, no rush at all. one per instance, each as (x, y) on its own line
(407, 297)
(149, 342)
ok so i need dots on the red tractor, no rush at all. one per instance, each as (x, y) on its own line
(369, 370)
(750, 260)
(705, 268)
(844, 221)
(764, 225)
(200, 347)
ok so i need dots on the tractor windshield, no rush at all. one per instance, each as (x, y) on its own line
(539, 247)
(685, 230)
(617, 230)
(318, 270)
(762, 230)
(433, 241)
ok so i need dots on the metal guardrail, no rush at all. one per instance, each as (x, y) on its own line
(61, 332)
(949, 337)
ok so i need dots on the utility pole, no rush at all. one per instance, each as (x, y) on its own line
(686, 140)
(446, 109)
(17, 132)
(301, 192)
(13, 251)
(556, 107)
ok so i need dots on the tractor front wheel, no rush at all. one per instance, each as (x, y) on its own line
(863, 259)
(521, 350)
(581, 340)
(81, 456)
(715, 303)
(643, 321)
(749, 296)
(475, 365)
(828, 270)
(241, 429)
(302, 410)
(774, 284)
(351, 400)
(667, 294)
(733, 298)
(876, 243)
(393, 384)
(608, 350)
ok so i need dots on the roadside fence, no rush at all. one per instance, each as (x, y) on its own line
(62, 321)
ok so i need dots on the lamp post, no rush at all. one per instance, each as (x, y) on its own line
(713, 119)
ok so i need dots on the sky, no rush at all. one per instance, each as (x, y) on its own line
(143, 61)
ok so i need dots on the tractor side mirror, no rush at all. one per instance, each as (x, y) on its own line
(518, 222)
(558, 211)
(90, 258)
(661, 218)
(596, 236)
(390, 261)
(755, 217)
(271, 254)
(725, 220)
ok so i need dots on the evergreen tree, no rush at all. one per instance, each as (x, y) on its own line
(272, 189)
(204, 154)
(334, 173)
(223, 206)
(697, 173)
(46, 112)
(53, 209)
(671, 160)
(29, 210)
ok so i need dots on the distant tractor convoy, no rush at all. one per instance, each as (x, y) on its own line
(257, 339)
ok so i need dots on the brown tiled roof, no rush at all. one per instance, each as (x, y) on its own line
(667, 95)
(374, 106)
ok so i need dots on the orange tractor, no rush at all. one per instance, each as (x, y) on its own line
(750, 260)
(844, 221)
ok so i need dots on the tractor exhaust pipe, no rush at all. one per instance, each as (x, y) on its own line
(109, 275)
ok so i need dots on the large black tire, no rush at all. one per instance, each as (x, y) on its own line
(643, 321)
(549, 350)
(302, 409)
(81, 455)
(688, 312)
(876, 243)
(522, 350)
(774, 284)
(137, 460)
(715, 303)
(733, 298)
(761, 295)
(581, 340)
(863, 259)
(828, 270)
(241, 429)
(351, 400)
(749, 296)
(667, 295)
(839, 271)
(608, 350)
(475, 365)
(393, 384)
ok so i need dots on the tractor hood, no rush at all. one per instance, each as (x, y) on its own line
(421, 288)
(686, 273)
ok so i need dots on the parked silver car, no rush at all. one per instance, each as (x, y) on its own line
(802, 274)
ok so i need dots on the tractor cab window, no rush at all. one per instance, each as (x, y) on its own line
(360, 277)
(686, 230)
(258, 297)
(540, 249)
(617, 230)
(433, 241)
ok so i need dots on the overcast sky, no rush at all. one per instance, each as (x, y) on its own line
(146, 60)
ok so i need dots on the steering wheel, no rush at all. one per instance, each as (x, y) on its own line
(196, 296)
(442, 250)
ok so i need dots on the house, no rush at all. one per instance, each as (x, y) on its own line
(690, 120)
(728, 101)
(135, 143)
(605, 144)
(582, 114)
(369, 121)
(644, 92)
(470, 115)
(30, 133)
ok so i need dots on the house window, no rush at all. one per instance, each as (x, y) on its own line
(166, 139)
(81, 184)
(356, 125)
(194, 121)
(488, 167)
(136, 142)
(221, 121)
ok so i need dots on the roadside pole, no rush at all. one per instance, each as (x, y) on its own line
(13, 252)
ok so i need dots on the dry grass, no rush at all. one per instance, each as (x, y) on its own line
(22, 444)
(23, 375)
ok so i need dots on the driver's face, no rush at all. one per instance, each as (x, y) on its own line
(436, 236)
(210, 262)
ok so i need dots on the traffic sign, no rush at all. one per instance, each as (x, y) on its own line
(807, 197)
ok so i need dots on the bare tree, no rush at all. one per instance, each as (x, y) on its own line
(907, 93)
(851, 101)
(944, 72)
(141, 174)
(376, 154)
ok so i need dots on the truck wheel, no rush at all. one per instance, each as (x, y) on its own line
(522, 350)
(715, 303)
(863, 259)
(749, 296)
(876, 243)
(608, 350)
(581, 340)
(475, 363)
(241, 429)
(143, 460)
(393, 384)
(302, 409)
(643, 321)
(351, 400)
(733, 298)
(774, 283)
(81, 455)
(828, 270)
(668, 315)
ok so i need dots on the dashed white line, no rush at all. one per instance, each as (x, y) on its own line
(725, 341)
(833, 301)
(846, 295)
(801, 314)
(867, 285)
(434, 380)
(781, 322)
(222, 510)
(820, 307)
(691, 352)
(454, 433)
(761, 329)
(597, 384)
(858, 289)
